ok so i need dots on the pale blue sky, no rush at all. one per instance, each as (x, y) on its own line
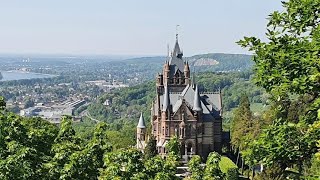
(129, 27)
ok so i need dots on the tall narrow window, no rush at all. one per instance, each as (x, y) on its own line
(167, 131)
(176, 131)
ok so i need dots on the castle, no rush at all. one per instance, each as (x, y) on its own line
(181, 110)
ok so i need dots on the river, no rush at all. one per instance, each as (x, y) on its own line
(17, 75)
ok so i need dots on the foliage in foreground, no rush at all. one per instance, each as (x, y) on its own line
(287, 67)
(213, 168)
(32, 148)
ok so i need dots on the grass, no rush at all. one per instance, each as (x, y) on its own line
(226, 164)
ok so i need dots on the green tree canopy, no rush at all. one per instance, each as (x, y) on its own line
(151, 148)
(288, 66)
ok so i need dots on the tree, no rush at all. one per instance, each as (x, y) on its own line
(244, 128)
(195, 167)
(85, 164)
(173, 147)
(157, 168)
(151, 149)
(287, 66)
(212, 170)
(241, 122)
(64, 145)
(28, 103)
(232, 174)
(123, 164)
(24, 146)
(2, 103)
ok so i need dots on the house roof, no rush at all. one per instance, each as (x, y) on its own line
(210, 103)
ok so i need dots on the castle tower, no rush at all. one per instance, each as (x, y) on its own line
(141, 133)
(181, 110)
(176, 71)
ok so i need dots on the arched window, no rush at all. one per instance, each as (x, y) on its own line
(189, 148)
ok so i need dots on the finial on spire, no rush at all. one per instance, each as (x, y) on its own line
(177, 31)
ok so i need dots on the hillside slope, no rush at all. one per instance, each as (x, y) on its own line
(214, 62)
(221, 62)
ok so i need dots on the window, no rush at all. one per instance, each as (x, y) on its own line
(176, 131)
(167, 131)
(183, 131)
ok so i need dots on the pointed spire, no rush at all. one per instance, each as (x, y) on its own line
(193, 78)
(176, 50)
(166, 99)
(141, 123)
(196, 101)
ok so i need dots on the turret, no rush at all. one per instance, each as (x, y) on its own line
(197, 101)
(166, 71)
(141, 133)
(166, 100)
(187, 73)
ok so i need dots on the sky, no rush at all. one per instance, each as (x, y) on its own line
(130, 27)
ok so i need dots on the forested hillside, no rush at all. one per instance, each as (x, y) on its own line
(213, 62)
(126, 104)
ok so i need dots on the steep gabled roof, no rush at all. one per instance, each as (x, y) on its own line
(176, 61)
(176, 50)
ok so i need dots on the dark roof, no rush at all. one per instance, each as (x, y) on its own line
(210, 102)
(176, 61)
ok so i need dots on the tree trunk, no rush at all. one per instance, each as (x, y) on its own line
(300, 168)
(252, 172)
(242, 161)
(238, 157)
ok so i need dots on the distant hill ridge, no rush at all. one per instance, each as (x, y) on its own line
(207, 62)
